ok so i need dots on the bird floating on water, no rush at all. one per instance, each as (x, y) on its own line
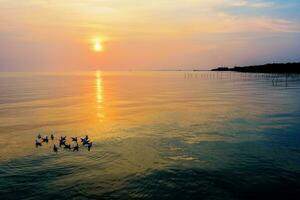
(76, 148)
(62, 142)
(89, 146)
(74, 139)
(67, 146)
(37, 143)
(55, 149)
(45, 139)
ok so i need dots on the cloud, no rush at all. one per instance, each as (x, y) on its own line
(135, 19)
(226, 23)
(251, 4)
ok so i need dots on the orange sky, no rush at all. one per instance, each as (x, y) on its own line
(49, 35)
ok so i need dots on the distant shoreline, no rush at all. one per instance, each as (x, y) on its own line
(278, 68)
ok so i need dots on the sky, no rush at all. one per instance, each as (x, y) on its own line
(49, 35)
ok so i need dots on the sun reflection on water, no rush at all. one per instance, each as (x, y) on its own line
(99, 95)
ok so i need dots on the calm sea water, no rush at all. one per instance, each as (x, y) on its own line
(157, 135)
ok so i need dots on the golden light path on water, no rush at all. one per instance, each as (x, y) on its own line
(99, 96)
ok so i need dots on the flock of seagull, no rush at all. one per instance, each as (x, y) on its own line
(63, 142)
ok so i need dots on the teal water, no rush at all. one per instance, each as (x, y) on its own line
(156, 135)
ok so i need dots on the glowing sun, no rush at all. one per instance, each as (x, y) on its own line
(98, 46)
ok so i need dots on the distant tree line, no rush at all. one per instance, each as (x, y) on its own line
(267, 68)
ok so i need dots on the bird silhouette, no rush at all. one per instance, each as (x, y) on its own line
(90, 146)
(55, 149)
(37, 143)
(74, 139)
(67, 146)
(46, 139)
(76, 148)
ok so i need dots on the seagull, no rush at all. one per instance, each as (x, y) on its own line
(63, 137)
(45, 139)
(85, 142)
(55, 149)
(89, 146)
(74, 139)
(62, 142)
(67, 146)
(76, 148)
(37, 143)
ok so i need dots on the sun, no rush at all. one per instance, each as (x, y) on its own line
(98, 46)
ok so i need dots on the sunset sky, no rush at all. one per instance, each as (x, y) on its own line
(46, 35)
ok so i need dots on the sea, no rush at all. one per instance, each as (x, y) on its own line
(155, 135)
